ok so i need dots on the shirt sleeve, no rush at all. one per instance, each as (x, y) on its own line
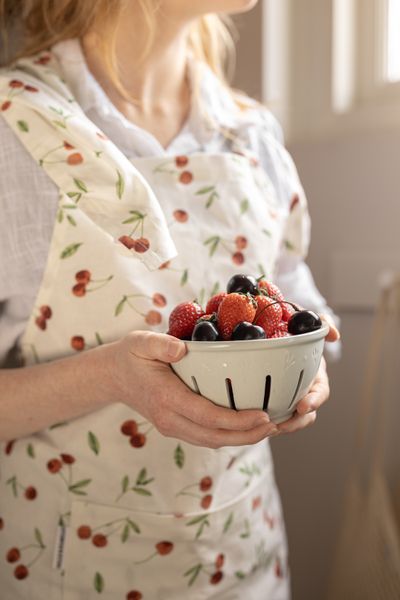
(292, 275)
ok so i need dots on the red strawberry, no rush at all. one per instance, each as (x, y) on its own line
(214, 302)
(183, 319)
(269, 314)
(271, 289)
(287, 311)
(233, 309)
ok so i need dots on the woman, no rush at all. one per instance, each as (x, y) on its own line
(123, 154)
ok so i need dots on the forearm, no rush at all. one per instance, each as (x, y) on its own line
(33, 398)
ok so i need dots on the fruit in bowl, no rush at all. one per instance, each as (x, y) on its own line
(250, 348)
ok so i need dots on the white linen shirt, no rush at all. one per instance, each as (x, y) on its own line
(29, 198)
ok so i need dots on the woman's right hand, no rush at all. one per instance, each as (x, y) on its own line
(139, 375)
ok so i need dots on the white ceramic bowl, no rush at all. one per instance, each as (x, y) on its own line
(271, 374)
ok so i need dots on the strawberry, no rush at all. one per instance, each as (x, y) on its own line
(269, 314)
(214, 302)
(287, 311)
(279, 334)
(272, 290)
(183, 319)
(233, 309)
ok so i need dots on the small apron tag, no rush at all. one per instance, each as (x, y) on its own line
(58, 558)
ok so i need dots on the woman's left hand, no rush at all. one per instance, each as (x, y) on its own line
(306, 410)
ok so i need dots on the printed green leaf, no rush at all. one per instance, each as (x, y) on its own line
(75, 488)
(98, 583)
(73, 194)
(196, 520)
(120, 185)
(193, 572)
(133, 525)
(93, 443)
(141, 477)
(240, 574)
(244, 206)
(246, 532)
(205, 190)
(98, 339)
(141, 491)
(289, 245)
(125, 484)
(59, 123)
(13, 482)
(213, 243)
(70, 250)
(228, 523)
(120, 306)
(214, 289)
(69, 206)
(125, 533)
(38, 537)
(30, 450)
(211, 199)
(60, 216)
(267, 232)
(23, 126)
(80, 185)
(71, 220)
(179, 456)
(184, 277)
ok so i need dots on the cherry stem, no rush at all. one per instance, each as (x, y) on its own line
(140, 562)
(36, 558)
(188, 494)
(186, 488)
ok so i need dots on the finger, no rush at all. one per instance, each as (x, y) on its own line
(192, 433)
(313, 400)
(156, 346)
(297, 422)
(333, 334)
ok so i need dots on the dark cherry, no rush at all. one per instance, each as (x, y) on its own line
(205, 331)
(248, 331)
(304, 321)
(243, 284)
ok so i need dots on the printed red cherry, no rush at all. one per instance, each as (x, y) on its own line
(41, 322)
(54, 465)
(13, 555)
(181, 161)
(68, 146)
(79, 289)
(127, 241)
(134, 595)
(75, 159)
(31, 88)
(278, 569)
(141, 245)
(153, 317)
(219, 561)
(216, 577)
(241, 242)
(295, 201)
(67, 459)
(15, 83)
(21, 572)
(138, 440)
(9, 447)
(247, 331)
(129, 427)
(159, 300)
(77, 342)
(242, 284)
(1, 524)
(238, 258)
(43, 60)
(304, 321)
(186, 177)
(181, 215)
(164, 548)
(30, 493)
(99, 540)
(83, 276)
(84, 532)
(164, 265)
(5, 105)
(205, 483)
(46, 312)
(206, 501)
(205, 331)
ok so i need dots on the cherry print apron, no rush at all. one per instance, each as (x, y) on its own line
(105, 506)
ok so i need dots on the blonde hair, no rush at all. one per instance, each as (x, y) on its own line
(43, 23)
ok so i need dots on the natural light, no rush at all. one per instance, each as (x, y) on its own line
(393, 41)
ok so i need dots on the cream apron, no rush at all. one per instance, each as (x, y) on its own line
(104, 505)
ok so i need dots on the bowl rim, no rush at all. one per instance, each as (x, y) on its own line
(312, 336)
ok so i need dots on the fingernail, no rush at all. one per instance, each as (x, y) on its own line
(174, 349)
(274, 431)
(264, 419)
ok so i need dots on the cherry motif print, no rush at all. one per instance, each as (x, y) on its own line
(84, 279)
(204, 485)
(212, 570)
(231, 246)
(151, 317)
(163, 548)
(63, 467)
(139, 244)
(9, 447)
(134, 595)
(30, 492)
(30, 553)
(72, 159)
(100, 536)
(137, 439)
(140, 485)
(45, 313)
(43, 60)
(16, 87)
(174, 167)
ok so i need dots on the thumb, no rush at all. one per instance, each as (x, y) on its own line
(156, 346)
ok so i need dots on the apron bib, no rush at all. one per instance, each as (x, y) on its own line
(152, 517)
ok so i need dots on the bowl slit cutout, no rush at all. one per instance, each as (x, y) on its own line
(229, 391)
(267, 392)
(297, 388)
(196, 387)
